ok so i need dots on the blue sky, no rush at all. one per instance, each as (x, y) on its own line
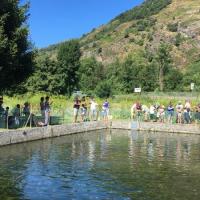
(53, 21)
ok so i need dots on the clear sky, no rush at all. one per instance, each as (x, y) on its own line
(53, 21)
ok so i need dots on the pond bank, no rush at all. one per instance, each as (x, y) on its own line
(157, 127)
(8, 137)
(30, 134)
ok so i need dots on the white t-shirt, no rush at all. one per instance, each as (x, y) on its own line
(93, 105)
(152, 110)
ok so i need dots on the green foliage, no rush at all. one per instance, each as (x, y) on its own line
(147, 9)
(140, 42)
(150, 37)
(104, 89)
(68, 58)
(144, 24)
(192, 75)
(136, 72)
(178, 39)
(164, 61)
(57, 77)
(173, 27)
(90, 74)
(16, 53)
(48, 77)
(173, 80)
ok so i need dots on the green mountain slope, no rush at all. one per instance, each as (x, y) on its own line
(176, 22)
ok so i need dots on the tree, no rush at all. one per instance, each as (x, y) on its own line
(69, 60)
(192, 75)
(173, 80)
(104, 89)
(90, 74)
(48, 76)
(16, 53)
(164, 61)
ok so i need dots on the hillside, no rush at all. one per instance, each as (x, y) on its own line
(176, 22)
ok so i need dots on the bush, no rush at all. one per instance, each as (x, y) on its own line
(178, 40)
(173, 27)
(104, 89)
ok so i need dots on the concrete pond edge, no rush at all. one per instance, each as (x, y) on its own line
(8, 137)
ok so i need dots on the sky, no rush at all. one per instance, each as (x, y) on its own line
(53, 21)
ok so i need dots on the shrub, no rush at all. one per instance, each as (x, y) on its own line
(178, 39)
(173, 27)
(104, 89)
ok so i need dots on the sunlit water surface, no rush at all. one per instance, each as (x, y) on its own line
(103, 165)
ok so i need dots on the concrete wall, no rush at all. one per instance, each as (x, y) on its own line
(157, 127)
(25, 135)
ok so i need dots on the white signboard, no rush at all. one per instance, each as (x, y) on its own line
(192, 86)
(138, 90)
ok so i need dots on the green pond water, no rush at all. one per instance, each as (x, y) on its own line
(103, 165)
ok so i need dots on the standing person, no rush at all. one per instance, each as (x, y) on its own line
(47, 111)
(162, 113)
(179, 110)
(133, 111)
(170, 112)
(26, 109)
(93, 109)
(16, 114)
(76, 107)
(2, 110)
(152, 112)
(197, 113)
(187, 118)
(6, 115)
(138, 110)
(42, 108)
(187, 109)
(187, 104)
(105, 110)
(145, 111)
(83, 109)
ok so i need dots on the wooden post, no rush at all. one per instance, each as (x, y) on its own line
(30, 115)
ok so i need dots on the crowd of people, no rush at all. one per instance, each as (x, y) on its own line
(85, 109)
(88, 110)
(13, 116)
(180, 113)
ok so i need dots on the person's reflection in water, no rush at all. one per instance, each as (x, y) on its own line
(150, 150)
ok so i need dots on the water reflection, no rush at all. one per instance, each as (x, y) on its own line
(103, 165)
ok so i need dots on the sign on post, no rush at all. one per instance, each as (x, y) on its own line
(138, 90)
(192, 86)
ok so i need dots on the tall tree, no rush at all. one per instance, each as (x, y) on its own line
(164, 61)
(90, 73)
(15, 49)
(69, 59)
(48, 76)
